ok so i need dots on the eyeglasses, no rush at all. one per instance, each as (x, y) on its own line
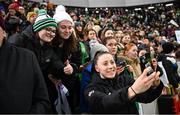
(50, 30)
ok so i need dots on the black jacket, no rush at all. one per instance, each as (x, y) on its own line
(171, 70)
(44, 53)
(22, 86)
(71, 82)
(47, 58)
(111, 95)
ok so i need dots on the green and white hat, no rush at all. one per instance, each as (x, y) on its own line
(43, 20)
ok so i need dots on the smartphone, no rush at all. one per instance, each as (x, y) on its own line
(151, 70)
(121, 63)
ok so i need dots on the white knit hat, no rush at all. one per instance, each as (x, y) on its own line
(61, 14)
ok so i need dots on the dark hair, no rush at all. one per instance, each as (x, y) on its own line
(86, 32)
(12, 25)
(102, 36)
(69, 44)
(168, 47)
(96, 57)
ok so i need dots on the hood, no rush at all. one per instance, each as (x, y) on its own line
(98, 80)
(28, 33)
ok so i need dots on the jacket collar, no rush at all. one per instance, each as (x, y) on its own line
(98, 80)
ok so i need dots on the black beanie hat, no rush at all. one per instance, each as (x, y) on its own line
(167, 47)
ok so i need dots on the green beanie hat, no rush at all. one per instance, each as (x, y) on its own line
(43, 20)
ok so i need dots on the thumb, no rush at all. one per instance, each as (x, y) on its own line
(157, 75)
(66, 62)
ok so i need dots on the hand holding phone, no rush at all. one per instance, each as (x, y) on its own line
(150, 70)
(121, 64)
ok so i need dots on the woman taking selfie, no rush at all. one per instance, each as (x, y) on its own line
(111, 94)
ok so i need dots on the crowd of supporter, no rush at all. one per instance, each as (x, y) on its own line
(71, 43)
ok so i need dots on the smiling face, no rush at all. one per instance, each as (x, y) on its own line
(106, 66)
(65, 29)
(47, 34)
